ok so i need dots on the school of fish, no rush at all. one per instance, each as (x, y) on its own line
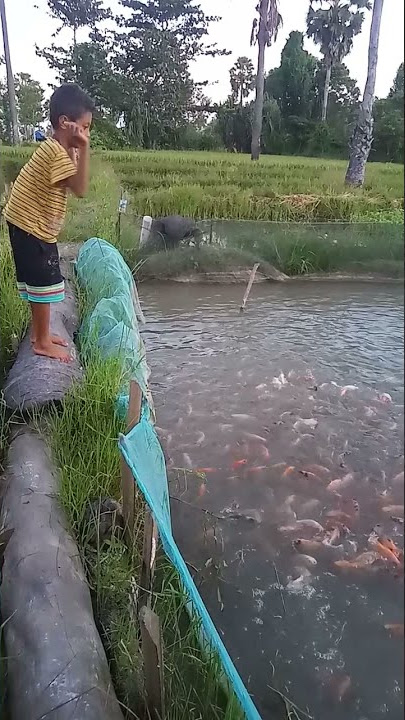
(310, 504)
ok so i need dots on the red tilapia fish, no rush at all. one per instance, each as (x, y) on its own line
(257, 469)
(340, 483)
(383, 546)
(290, 469)
(361, 562)
(239, 463)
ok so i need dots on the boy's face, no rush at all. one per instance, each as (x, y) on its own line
(76, 132)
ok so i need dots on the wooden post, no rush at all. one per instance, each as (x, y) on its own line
(249, 287)
(128, 489)
(134, 406)
(150, 541)
(152, 652)
(118, 226)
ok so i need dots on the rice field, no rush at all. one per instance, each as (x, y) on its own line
(221, 185)
(229, 186)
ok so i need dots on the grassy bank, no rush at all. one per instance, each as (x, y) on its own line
(293, 248)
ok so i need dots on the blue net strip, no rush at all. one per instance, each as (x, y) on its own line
(144, 456)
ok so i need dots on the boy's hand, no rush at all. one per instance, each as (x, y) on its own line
(79, 137)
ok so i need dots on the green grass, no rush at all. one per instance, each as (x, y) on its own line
(97, 214)
(14, 314)
(184, 261)
(224, 185)
(93, 216)
(294, 248)
(221, 185)
(301, 248)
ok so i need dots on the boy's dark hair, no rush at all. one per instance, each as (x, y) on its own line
(69, 100)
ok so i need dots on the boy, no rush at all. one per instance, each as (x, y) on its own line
(37, 206)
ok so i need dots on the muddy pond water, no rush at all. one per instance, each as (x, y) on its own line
(283, 433)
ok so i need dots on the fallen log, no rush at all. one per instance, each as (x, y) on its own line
(35, 381)
(56, 662)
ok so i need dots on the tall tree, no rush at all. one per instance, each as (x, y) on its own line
(242, 79)
(76, 14)
(10, 77)
(388, 143)
(344, 96)
(294, 83)
(362, 138)
(73, 14)
(153, 53)
(397, 90)
(30, 99)
(264, 33)
(333, 24)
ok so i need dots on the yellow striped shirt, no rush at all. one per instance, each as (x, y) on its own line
(37, 203)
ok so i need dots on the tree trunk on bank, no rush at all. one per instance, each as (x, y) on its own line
(258, 111)
(326, 92)
(10, 78)
(362, 137)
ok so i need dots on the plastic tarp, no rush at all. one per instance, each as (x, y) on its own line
(144, 456)
(111, 322)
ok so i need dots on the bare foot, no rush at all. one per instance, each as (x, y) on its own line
(52, 351)
(55, 339)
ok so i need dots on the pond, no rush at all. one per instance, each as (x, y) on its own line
(283, 434)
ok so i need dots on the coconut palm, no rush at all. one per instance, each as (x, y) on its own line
(362, 138)
(333, 24)
(264, 32)
(242, 79)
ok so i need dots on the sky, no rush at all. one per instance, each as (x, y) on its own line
(29, 24)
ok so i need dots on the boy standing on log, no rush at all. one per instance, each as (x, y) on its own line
(36, 210)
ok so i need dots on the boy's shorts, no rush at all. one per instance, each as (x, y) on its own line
(39, 279)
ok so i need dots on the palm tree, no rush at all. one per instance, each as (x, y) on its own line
(362, 138)
(333, 24)
(264, 32)
(242, 79)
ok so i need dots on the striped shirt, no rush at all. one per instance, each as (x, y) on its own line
(37, 203)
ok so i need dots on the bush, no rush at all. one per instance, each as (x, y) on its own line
(107, 136)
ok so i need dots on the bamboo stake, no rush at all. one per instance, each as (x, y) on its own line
(152, 651)
(127, 480)
(249, 286)
(150, 541)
